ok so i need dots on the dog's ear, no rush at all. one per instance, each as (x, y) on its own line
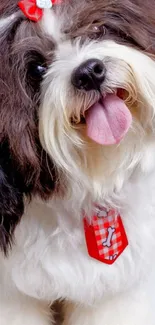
(11, 199)
(18, 158)
(11, 210)
(24, 166)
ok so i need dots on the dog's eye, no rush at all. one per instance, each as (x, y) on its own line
(36, 70)
(36, 66)
(99, 30)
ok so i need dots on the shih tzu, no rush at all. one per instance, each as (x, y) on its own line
(77, 160)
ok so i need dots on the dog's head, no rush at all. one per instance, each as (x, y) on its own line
(77, 100)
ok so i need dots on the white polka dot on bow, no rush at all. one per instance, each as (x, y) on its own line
(44, 4)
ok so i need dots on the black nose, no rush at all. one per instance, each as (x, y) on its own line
(89, 75)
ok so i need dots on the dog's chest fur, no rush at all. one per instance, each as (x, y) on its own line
(51, 253)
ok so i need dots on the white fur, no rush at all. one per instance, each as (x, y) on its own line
(52, 261)
(68, 146)
(51, 25)
(129, 308)
(49, 259)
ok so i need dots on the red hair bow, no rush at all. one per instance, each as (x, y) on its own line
(32, 10)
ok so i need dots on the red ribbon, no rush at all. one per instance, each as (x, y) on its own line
(30, 9)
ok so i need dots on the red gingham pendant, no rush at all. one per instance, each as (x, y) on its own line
(105, 237)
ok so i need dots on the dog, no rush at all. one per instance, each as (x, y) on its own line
(77, 161)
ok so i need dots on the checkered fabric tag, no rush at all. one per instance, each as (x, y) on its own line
(105, 236)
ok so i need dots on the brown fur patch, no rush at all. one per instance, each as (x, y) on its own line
(25, 168)
(126, 21)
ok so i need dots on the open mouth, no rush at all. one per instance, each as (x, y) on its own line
(108, 120)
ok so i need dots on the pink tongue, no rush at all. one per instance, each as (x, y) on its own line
(108, 121)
